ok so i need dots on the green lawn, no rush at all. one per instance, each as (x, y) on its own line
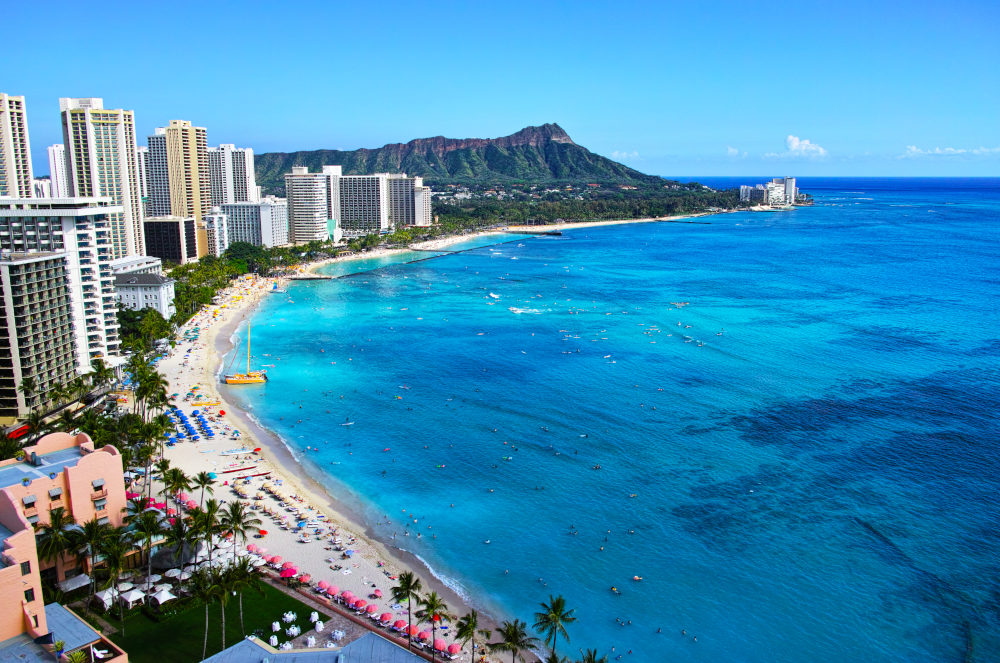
(179, 639)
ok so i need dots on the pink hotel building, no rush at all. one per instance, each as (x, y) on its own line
(60, 470)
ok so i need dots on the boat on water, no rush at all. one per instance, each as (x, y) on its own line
(250, 377)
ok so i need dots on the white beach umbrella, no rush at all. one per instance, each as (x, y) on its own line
(125, 586)
(172, 573)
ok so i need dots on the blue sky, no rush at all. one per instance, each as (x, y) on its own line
(715, 88)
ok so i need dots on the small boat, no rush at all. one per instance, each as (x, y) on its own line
(250, 377)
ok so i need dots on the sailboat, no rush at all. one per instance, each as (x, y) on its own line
(250, 377)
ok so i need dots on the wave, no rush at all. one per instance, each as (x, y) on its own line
(449, 582)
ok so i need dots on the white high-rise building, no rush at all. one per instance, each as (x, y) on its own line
(232, 175)
(41, 188)
(217, 232)
(364, 204)
(311, 199)
(81, 228)
(101, 161)
(57, 171)
(15, 151)
(409, 201)
(142, 156)
(262, 224)
(423, 210)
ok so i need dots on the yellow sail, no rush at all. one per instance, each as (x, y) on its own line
(250, 377)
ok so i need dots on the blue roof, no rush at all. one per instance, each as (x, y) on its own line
(55, 461)
(369, 648)
(66, 626)
(22, 649)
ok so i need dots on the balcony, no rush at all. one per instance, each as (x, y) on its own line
(99, 494)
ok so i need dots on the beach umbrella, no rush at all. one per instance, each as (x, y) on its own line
(258, 562)
(349, 553)
(454, 648)
(424, 635)
(262, 532)
(191, 504)
(399, 625)
(287, 573)
(347, 595)
(332, 590)
(276, 559)
(371, 609)
(125, 586)
(222, 412)
(154, 578)
(385, 617)
(305, 578)
(440, 644)
(172, 573)
(377, 593)
(412, 630)
(286, 565)
(323, 585)
(252, 548)
(359, 603)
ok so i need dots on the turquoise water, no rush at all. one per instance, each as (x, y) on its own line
(801, 461)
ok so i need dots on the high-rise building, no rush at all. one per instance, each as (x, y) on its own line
(57, 171)
(364, 204)
(36, 329)
(142, 156)
(81, 229)
(423, 209)
(178, 175)
(173, 238)
(409, 201)
(101, 161)
(216, 232)
(232, 175)
(311, 203)
(41, 187)
(261, 224)
(15, 151)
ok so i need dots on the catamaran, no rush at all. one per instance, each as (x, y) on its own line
(250, 377)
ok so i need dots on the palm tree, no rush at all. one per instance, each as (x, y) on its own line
(244, 576)
(551, 621)
(206, 523)
(89, 539)
(146, 527)
(226, 583)
(204, 588)
(101, 374)
(57, 393)
(57, 537)
(203, 480)
(35, 421)
(590, 656)
(115, 548)
(9, 446)
(176, 481)
(407, 588)
(27, 386)
(434, 609)
(553, 657)
(239, 520)
(162, 466)
(514, 638)
(468, 629)
(179, 535)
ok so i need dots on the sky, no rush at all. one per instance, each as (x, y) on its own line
(670, 88)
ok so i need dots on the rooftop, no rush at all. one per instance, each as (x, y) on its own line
(55, 461)
(22, 649)
(66, 626)
(370, 648)
(140, 279)
(78, 206)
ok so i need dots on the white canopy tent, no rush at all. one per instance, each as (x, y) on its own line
(132, 597)
(162, 597)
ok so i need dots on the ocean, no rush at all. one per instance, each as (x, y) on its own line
(784, 423)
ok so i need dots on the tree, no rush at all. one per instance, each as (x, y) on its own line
(514, 638)
(226, 584)
(206, 523)
(115, 547)
(28, 387)
(146, 527)
(162, 467)
(176, 481)
(56, 538)
(244, 577)
(590, 656)
(468, 629)
(89, 539)
(551, 621)
(434, 609)
(35, 421)
(203, 480)
(407, 589)
(77, 656)
(100, 374)
(9, 446)
(204, 588)
(239, 520)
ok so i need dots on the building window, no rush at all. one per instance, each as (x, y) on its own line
(29, 594)
(100, 504)
(103, 521)
(25, 568)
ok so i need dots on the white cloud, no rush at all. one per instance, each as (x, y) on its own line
(619, 155)
(914, 152)
(732, 151)
(798, 148)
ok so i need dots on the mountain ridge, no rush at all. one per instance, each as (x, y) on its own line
(538, 154)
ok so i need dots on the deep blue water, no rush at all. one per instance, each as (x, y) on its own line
(802, 462)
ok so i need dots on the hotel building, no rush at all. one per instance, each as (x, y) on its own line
(231, 175)
(79, 228)
(311, 203)
(142, 155)
(64, 471)
(364, 204)
(41, 188)
(262, 224)
(139, 291)
(216, 232)
(15, 151)
(172, 238)
(36, 329)
(178, 174)
(409, 201)
(137, 265)
(101, 161)
(57, 171)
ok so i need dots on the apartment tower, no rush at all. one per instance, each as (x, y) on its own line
(232, 176)
(15, 152)
(312, 203)
(178, 174)
(101, 162)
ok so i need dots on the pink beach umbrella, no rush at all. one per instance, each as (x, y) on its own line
(323, 585)
(400, 625)
(385, 617)
(377, 593)
(129, 494)
(359, 603)
(332, 590)
(276, 559)
(454, 648)
(305, 578)
(171, 511)
(252, 548)
(371, 609)
(440, 644)
(413, 629)
(191, 504)
(287, 573)
(286, 565)
(424, 635)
